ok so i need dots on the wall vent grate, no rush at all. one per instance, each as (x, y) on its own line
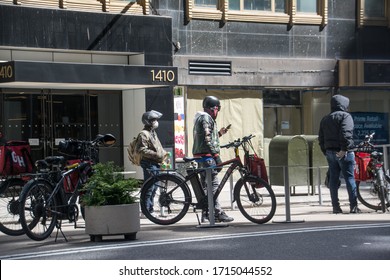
(216, 68)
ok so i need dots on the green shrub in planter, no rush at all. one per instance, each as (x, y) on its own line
(108, 187)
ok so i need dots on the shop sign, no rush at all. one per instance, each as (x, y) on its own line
(7, 72)
(179, 122)
(369, 122)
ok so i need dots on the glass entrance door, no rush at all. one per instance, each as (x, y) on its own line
(45, 117)
(67, 116)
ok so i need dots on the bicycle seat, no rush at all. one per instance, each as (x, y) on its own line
(49, 162)
(55, 160)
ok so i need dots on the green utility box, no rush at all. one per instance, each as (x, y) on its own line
(317, 161)
(291, 152)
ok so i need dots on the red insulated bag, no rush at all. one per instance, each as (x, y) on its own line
(361, 172)
(70, 181)
(257, 167)
(15, 158)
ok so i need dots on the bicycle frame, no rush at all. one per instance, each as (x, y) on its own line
(234, 163)
(199, 188)
(167, 196)
(65, 200)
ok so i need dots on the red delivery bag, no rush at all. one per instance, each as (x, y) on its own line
(71, 180)
(15, 158)
(361, 172)
(257, 167)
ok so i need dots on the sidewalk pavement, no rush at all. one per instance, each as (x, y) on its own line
(303, 206)
(305, 210)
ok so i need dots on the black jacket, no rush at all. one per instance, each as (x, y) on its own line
(336, 129)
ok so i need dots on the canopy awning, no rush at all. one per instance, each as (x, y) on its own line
(34, 74)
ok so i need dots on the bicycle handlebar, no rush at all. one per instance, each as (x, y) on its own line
(85, 149)
(238, 142)
(366, 144)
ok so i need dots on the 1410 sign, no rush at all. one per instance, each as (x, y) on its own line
(162, 75)
(6, 72)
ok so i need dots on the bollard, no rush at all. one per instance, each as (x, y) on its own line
(231, 192)
(210, 197)
(210, 200)
(287, 198)
(287, 193)
(319, 186)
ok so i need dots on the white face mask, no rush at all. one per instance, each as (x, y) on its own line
(155, 125)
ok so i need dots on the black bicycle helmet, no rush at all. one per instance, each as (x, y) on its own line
(148, 116)
(210, 102)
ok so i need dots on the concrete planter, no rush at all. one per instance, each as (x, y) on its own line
(112, 220)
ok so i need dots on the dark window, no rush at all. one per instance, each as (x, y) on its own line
(281, 97)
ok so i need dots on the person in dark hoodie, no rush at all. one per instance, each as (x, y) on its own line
(336, 141)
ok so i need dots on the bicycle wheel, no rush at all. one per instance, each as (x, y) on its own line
(369, 195)
(381, 190)
(38, 214)
(165, 199)
(9, 207)
(255, 199)
(382, 198)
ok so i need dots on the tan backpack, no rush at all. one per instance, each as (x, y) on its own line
(133, 154)
(132, 151)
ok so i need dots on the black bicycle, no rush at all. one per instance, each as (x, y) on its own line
(12, 186)
(45, 203)
(172, 195)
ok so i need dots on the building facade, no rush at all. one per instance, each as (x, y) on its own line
(74, 71)
(274, 64)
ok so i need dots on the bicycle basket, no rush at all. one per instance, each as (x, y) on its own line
(256, 166)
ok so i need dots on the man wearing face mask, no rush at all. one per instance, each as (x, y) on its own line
(151, 150)
(206, 145)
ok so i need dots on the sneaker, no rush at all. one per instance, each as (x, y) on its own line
(222, 217)
(205, 217)
(337, 210)
(355, 210)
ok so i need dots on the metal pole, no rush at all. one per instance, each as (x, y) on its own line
(210, 200)
(287, 197)
(287, 194)
(231, 192)
(210, 196)
(385, 157)
(319, 186)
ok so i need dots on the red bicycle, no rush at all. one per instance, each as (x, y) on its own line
(369, 168)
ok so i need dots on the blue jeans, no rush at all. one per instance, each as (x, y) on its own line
(344, 166)
(150, 168)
